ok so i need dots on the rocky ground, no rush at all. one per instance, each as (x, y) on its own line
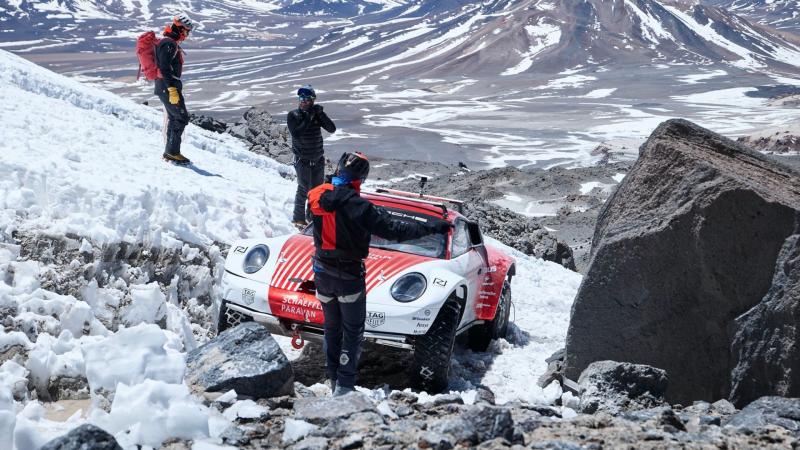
(619, 405)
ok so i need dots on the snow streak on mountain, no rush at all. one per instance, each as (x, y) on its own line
(780, 14)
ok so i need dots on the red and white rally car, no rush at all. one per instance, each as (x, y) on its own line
(420, 293)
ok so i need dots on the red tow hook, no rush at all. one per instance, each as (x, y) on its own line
(297, 340)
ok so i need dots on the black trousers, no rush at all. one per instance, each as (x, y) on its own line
(344, 304)
(344, 335)
(177, 117)
(309, 175)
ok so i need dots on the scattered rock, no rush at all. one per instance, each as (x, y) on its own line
(615, 387)
(86, 436)
(448, 399)
(352, 441)
(208, 123)
(68, 388)
(555, 369)
(688, 242)
(245, 358)
(788, 143)
(312, 443)
(321, 410)
(266, 136)
(779, 411)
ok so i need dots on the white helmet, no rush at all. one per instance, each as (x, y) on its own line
(183, 20)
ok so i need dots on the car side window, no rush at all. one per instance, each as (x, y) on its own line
(461, 243)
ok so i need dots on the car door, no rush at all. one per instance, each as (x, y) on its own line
(471, 264)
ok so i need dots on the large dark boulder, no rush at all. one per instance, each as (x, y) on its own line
(686, 244)
(615, 387)
(84, 437)
(245, 358)
(765, 348)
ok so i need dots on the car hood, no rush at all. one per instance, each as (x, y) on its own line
(293, 268)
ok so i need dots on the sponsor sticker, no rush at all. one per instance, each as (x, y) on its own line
(440, 282)
(239, 249)
(375, 318)
(248, 296)
(425, 317)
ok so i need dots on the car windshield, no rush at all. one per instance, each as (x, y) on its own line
(432, 245)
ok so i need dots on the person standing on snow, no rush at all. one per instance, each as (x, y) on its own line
(169, 89)
(305, 124)
(343, 226)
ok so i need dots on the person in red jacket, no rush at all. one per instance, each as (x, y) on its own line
(343, 224)
(169, 88)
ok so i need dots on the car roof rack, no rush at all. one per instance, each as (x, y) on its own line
(423, 198)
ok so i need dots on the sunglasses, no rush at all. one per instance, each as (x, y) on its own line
(306, 99)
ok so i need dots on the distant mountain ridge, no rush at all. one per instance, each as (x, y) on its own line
(780, 14)
(422, 37)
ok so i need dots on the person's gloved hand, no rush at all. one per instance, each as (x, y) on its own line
(440, 226)
(174, 98)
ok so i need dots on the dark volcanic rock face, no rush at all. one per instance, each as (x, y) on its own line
(686, 244)
(765, 347)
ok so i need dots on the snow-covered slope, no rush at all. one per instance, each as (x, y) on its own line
(80, 167)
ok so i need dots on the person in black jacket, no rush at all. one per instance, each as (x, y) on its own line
(343, 226)
(169, 88)
(305, 124)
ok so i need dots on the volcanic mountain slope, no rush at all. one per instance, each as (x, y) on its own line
(423, 37)
(82, 25)
(781, 14)
(507, 37)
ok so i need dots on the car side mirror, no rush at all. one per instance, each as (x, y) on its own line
(476, 241)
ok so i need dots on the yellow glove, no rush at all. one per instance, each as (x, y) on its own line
(174, 98)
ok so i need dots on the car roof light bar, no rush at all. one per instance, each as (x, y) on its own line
(428, 199)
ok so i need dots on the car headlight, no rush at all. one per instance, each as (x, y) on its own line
(409, 287)
(256, 258)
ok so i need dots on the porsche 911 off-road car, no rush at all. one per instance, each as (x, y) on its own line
(421, 293)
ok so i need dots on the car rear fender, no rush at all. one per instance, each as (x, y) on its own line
(501, 268)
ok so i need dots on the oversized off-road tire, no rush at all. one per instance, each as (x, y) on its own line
(433, 350)
(481, 336)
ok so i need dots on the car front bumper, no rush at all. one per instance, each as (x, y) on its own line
(236, 314)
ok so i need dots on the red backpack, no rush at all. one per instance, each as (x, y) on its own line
(146, 51)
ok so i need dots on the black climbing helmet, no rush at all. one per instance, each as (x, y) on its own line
(354, 166)
(306, 92)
